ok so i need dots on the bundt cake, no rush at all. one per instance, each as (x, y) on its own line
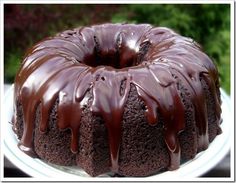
(130, 99)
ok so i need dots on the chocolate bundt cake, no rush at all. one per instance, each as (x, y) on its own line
(130, 99)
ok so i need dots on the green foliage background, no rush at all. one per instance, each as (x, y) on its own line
(208, 24)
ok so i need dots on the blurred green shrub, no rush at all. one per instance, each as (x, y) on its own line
(208, 24)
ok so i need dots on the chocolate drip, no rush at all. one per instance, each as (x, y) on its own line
(101, 58)
(111, 108)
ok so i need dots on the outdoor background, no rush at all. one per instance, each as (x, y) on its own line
(209, 25)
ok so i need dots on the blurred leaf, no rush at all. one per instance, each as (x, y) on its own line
(11, 66)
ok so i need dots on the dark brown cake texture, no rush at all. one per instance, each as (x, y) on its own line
(130, 99)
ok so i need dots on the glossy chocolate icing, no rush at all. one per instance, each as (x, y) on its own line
(103, 57)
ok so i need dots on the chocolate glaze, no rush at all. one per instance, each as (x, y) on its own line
(102, 57)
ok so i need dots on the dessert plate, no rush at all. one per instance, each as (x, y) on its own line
(40, 170)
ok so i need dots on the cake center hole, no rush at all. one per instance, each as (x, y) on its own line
(119, 56)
